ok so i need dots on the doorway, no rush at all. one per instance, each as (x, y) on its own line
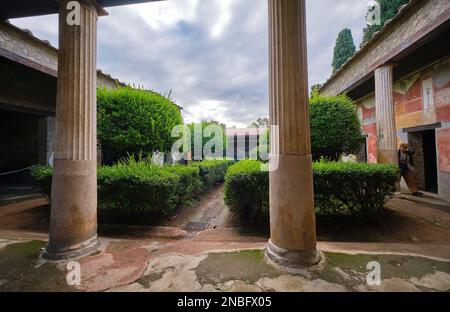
(423, 145)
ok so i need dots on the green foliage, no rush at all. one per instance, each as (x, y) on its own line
(247, 192)
(344, 49)
(335, 127)
(315, 89)
(355, 189)
(389, 9)
(212, 172)
(132, 121)
(137, 192)
(43, 176)
(201, 138)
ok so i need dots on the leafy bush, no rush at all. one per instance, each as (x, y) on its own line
(43, 176)
(132, 121)
(202, 138)
(355, 189)
(358, 189)
(190, 184)
(335, 127)
(212, 172)
(137, 192)
(247, 192)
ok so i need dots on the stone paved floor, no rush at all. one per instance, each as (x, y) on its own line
(206, 263)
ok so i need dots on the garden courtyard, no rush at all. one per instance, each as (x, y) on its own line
(107, 187)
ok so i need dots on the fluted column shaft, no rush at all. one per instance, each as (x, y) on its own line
(73, 221)
(385, 115)
(292, 218)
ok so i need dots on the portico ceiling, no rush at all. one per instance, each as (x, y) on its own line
(23, 8)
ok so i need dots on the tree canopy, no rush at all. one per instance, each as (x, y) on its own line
(344, 49)
(335, 127)
(207, 132)
(389, 9)
(134, 121)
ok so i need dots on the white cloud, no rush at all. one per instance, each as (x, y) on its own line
(212, 54)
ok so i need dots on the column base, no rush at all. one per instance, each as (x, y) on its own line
(85, 248)
(292, 260)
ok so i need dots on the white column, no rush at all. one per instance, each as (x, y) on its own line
(292, 217)
(73, 220)
(385, 115)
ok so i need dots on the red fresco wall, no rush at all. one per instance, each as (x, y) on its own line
(443, 143)
(371, 131)
(409, 102)
(442, 99)
(409, 112)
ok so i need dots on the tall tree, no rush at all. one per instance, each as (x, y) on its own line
(315, 89)
(389, 9)
(344, 49)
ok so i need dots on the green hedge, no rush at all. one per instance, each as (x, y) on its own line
(355, 189)
(212, 172)
(136, 192)
(133, 121)
(247, 192)
(43, 176)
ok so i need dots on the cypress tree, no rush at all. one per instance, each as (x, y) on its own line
(344, 49)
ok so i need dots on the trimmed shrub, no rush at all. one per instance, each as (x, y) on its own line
(190, 184)
(137, 192)
(212, 172)
(356, 189)
(247, 192)
(131, 121)
(43, 176)
(335, 127)
(200, 139)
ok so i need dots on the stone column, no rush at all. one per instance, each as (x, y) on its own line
(385, 115)
(73, 220)
(292, 218)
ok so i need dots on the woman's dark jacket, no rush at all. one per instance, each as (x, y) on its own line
(404, 166)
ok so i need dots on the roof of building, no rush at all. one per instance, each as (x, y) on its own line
(25, 8)
(373, 41)
(51, 49)
(417, 24)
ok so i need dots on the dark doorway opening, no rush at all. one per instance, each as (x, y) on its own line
(19, 147)
(430, 162)
(423, 144)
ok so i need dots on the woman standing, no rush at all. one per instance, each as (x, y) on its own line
(407, 169)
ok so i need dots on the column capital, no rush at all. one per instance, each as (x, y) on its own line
(388, 64)
(93, 5)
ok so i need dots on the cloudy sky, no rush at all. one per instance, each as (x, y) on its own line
(212, 54)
